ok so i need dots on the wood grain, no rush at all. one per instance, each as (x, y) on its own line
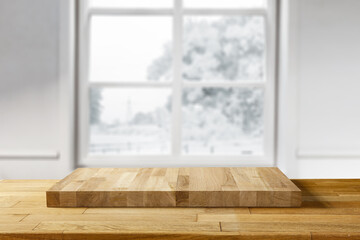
(174, 187)
(190, 236)
(290, 226)
(337, 218)
(127, 226)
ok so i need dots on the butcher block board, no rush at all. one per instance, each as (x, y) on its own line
(175, 187)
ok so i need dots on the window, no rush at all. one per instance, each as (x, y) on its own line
(176, 82)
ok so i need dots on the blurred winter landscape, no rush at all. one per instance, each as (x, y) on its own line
(215, 120)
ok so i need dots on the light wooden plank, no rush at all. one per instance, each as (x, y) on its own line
(30, 204)
(119, 226)
(25, 187)
(30, 181)
(31, 235)
(168, 211)
(289, 227)
(315, 207)
(335, 236)
(340, 198)
(17, 227)
(351, 219)
(11, 218)
(187, 236)
(7, 211)
(323, 211)
(8, 201)
(139, 216)
(22, 194)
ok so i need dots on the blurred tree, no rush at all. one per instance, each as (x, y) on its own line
(160, 67)
(141, 118)
(224, 49)
(95, 105)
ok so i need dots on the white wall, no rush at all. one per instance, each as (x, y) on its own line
(320, 111)
(319, 81)
(33, 80)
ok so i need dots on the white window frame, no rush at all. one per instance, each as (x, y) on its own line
(175, 158)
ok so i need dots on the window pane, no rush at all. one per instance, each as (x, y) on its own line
(124, 48)
(224, 3)
(130, 121)
(132, 3)
(223, 121)
(224, 48)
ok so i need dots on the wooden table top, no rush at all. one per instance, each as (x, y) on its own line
(330, 210)
(175, 187)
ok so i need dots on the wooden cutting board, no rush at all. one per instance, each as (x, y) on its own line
(174, 187)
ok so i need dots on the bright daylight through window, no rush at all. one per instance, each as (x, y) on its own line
(177, 78)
